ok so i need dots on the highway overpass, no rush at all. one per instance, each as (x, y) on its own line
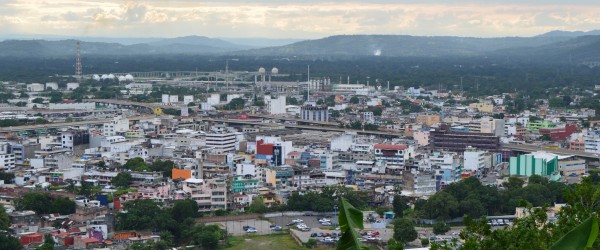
(560, 151)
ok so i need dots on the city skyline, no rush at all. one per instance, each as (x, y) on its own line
(306, 20)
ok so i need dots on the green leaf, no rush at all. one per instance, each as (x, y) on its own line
(350, 219)
(581, 237)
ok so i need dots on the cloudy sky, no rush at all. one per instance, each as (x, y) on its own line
(295, 19)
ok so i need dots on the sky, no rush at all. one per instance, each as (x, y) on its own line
(304, 19)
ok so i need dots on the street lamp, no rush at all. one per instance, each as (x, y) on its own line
(335, 207)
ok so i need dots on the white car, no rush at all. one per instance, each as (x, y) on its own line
(251, 230)
(324, 220)
(327, 240)
(326, 223)
(301, 226)
(297, 220)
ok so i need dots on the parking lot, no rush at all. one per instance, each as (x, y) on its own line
(384, 234)
(310, 221)
(236, 228)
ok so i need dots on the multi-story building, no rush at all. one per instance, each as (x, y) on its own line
(535, 126)
(592, 141)
(210, 194)
(538, 163)
(221, 140)
(577, 145)
(441, 138)
(393, 155)
(241, 184)
(315, 113)
(428, 120)
(482, 107)
(7, 157)
(117, 125)
(474, 159)
(276, 106)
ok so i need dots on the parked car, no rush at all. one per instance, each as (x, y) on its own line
(326, 223)
(297, 220)
(291, 224)
(313, 235)
(276, 228)
(320, 234)
(327, 240)
(251, 230)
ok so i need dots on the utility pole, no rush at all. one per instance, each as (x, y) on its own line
(78, 72)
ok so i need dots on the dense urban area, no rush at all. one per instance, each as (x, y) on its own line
(227, 159)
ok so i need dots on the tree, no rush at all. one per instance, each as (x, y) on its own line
(141, 214)
(63, 206)
(235, 104)
(514, 183)
(404, 230)
(136, 164)
(399, 204)
(9, 243)
(38, 100)
(354, 100)
(395, 245)
(537, 179)
(165, 167)
(8, 178)
(122, 180)
(4, 219)
(556, 102)
(440, 227)
(36, 201)
(184, 209)
(258, 206)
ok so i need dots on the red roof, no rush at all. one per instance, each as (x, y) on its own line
(390, 146)
(90, 240)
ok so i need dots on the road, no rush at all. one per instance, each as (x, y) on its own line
(62, 124)
(561, 151)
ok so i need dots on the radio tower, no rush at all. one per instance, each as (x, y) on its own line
(78, 64)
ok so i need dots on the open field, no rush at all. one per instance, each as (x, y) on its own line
(263, 242)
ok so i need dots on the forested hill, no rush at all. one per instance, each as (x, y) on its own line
(403, 46)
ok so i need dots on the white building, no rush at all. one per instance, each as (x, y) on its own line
(173, 99)
(277, 106)
(7, 157)
(221, 140)
(187, 99)
(474, 159)
(592, 141)
(214, 99)
(117, 125)
(52, 85)
(72, 85)
(209, 194)
(368, 117)
(35, 87)
(165, 99)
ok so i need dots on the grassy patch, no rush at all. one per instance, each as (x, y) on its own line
(264, 242)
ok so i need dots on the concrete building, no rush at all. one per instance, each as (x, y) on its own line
(72, 85)
(51, 86)
(35, 87)
(474, 159)
(394, 156)
(118, 125)
(482, 107)
(367, 117)
(539, 163)
(315, 113)
(187, 99)
(592, 141)
(276, 106)
(7, 157)
(221, 140)
(428, 120)
(209, 194)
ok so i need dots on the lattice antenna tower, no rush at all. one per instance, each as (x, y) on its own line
(78, 73)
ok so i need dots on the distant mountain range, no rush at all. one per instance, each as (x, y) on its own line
(554, 45)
